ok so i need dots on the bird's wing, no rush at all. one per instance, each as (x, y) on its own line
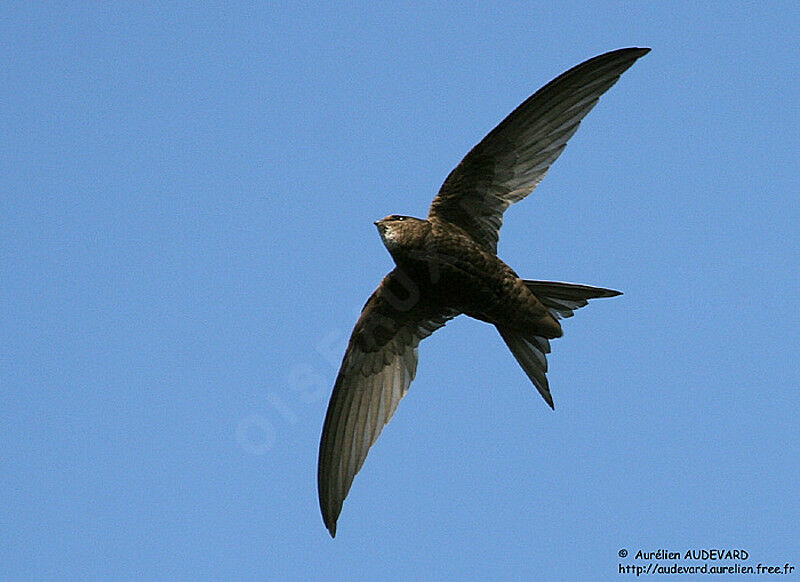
(379, 364)
(514, 157)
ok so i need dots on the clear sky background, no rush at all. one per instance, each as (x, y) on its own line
(186, 240)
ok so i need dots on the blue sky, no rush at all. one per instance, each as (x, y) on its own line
(186, 241)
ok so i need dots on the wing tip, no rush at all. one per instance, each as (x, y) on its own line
(330, 522)
(623, 58)
(639, 51)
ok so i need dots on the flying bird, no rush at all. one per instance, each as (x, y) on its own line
(447, 264)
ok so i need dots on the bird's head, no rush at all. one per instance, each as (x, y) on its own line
(400, 231)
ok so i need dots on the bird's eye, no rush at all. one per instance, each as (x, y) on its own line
(400, 218)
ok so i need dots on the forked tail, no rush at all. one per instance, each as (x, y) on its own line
(561, 299)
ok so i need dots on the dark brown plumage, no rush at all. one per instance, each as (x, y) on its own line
(447, 265)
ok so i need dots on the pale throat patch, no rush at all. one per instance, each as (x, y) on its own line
(390, 237)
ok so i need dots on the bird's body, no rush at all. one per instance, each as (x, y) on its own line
(454, 273)
(447, 265)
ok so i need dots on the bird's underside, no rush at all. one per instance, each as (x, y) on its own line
(447, 265)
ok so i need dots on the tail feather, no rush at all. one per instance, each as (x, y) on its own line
(561, 299)
(530, 353)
